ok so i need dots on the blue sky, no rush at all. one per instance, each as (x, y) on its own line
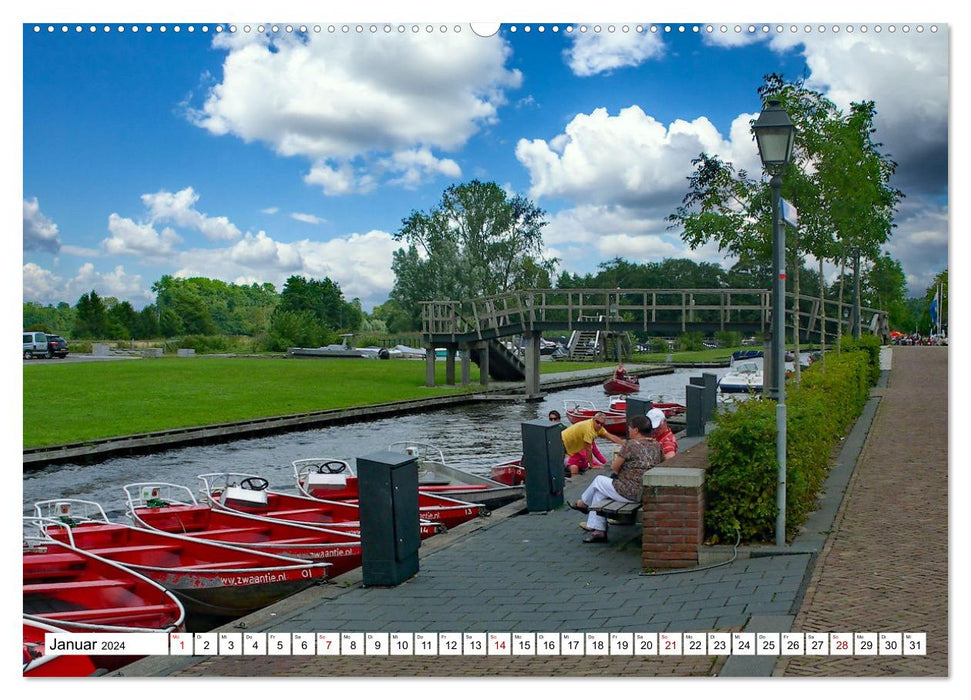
(250, 156)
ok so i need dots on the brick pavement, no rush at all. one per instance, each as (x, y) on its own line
(881, 569)
(885, 568)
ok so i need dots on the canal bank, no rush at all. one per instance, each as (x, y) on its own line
(518, 572)
(96, 450)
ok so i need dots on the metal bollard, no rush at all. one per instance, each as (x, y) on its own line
(694, 403)
(543, 463)
(390, 532)
(711, 395)
(638, 407)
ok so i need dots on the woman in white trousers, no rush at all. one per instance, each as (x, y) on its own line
(638, 454)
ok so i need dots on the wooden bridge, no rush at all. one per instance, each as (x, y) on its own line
(476, 325)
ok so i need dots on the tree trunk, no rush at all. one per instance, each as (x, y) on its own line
(822, 305)
(839, 327)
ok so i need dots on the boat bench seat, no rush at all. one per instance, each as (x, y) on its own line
(621, 511)
(128, 612)
(312, 539)
(295, 511)
(229, 531)
(134, 548)
(242, 564)
(74, 585)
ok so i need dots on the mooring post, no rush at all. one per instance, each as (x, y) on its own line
(430, 365)
(694, 401)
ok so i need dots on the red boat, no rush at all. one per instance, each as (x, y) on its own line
(71, 590)
(174, 509)
(78, 591)
(332, 480)
(436, 476)
(622, 383)
(250, 494)
(510, 473)
(619, 404)
(209, 578)
(615, 421)
(38, 663)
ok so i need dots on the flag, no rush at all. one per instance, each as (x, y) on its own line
(934, 308)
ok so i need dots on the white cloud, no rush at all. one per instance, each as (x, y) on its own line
(414, 167)
(359, 263)
(178, 208)
(40, 285)
(131, 238)
(344, 102)
(45, 287)
(262, 252)
(40, 233)
(604, 51)
(629, 159)
(905, 74)
(306, 218)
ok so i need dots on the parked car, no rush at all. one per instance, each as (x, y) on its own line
(56, 346)
(35, 344)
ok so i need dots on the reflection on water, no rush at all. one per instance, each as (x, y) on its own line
(474, 437)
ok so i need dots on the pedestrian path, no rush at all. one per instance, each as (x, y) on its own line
(885, 567)
(875, 561)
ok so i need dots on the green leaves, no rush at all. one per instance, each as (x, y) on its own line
(476, 242)
(741, 481)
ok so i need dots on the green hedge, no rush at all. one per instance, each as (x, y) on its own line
(741, 481)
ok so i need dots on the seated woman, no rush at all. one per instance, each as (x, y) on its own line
(639, 453)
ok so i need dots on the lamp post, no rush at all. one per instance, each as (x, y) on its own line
(775, 134)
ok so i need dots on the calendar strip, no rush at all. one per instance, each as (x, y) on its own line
(493, 644)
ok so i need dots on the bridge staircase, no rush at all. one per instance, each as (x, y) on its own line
(504, 365)
(582, 343)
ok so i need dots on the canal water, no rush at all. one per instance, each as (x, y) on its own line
(472, 437)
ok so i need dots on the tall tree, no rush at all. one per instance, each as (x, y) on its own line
(838, 179)
(476, 241)
(91, 316)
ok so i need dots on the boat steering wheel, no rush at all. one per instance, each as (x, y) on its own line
(333, 466)
(254, 483)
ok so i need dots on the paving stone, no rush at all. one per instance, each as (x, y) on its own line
(531, 573)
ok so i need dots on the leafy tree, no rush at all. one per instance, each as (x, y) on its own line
(838, 180)
(475, 242)
(53, 319)
(91, 316)
(122, 320)
(297, 329)
(323, 299)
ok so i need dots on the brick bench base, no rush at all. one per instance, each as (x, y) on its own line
(673, 517)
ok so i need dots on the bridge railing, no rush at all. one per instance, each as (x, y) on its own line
(628, 309)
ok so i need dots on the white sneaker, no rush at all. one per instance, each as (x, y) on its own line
(584, 526)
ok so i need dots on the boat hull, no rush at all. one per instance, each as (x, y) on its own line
(341, 550)
(620, 386)
(209, 578)
(343, 516)
(39, 663)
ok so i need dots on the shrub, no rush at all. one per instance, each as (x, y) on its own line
(870, 344)
(741, 481)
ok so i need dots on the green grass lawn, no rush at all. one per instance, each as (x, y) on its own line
(74, 402)
(92, 400)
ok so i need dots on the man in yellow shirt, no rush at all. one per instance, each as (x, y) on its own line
(578, 443)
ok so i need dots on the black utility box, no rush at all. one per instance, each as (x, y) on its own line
(543, 462)
(390, 532)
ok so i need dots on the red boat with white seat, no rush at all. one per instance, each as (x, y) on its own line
(173, 508)
(209, 578)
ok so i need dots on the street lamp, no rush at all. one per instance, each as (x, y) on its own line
(775, 134)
